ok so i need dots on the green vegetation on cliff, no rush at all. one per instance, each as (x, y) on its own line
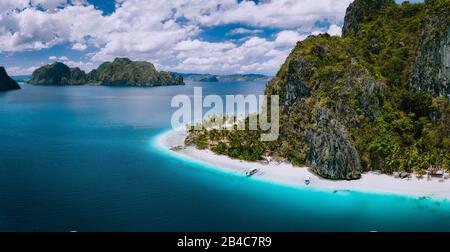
(120, 72)
(375, 99)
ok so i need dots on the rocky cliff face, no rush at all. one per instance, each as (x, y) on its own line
(431, 69)
(123, 71)
(327, 80)
(297, 86)
(58, 74)
(120, 72)
(350, 105)
(331, 153)
(360, 10)
(323, 94)
(6, 83)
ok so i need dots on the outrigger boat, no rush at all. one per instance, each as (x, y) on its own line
(436, 172)
(251, 173)
(307, 180)
(176, 148)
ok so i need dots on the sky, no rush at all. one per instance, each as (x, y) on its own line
(191, 36)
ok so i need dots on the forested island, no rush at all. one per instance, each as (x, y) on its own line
(375, 99)
(120, 72)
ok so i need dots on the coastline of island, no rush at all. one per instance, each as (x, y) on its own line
(285, 174)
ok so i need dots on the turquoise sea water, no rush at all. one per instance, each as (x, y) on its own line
(83, 158)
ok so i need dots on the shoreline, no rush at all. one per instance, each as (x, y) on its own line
(286, 174)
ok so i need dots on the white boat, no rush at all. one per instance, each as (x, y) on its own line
(308, 180)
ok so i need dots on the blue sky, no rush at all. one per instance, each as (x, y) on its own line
(221, 36)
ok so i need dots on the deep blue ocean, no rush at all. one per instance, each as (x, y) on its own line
(83, 158)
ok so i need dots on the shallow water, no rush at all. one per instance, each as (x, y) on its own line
(83, 158)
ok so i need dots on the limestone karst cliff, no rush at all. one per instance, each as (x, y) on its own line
(120, 72)
(375, 99)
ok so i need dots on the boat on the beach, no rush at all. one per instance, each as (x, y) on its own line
(251, 173)
(436, 171)
(307, 180)
(404, 175)
(176, 148)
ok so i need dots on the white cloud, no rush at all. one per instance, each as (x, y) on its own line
(86, 66)
(15, 71)
(289, 38)
(6, 6)
(286, 14)
(335, 30)
(240, 31)
(55, 58)
(79, 46)
(48, 5)
(32, 29)
(254, 55)
(147, 30)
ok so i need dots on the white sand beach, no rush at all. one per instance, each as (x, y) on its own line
(287, 174)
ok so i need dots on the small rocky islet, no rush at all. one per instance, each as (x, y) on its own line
(120, 72)
(6, 83)
(375, 99)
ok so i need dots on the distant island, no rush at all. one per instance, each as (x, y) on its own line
(375, 99)
(224, 78)
(120, 72)
(6, 83)
(209, 79)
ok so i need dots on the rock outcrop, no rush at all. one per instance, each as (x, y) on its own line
(360, 10)
(297, 86)
(120, 72)
(325, 108)
(6, 83)
(331, 154)
(327, 91)
(366, 88)
(350, 105)
(123, 71)
(323, 79)
(58, 74)
(431, 69)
